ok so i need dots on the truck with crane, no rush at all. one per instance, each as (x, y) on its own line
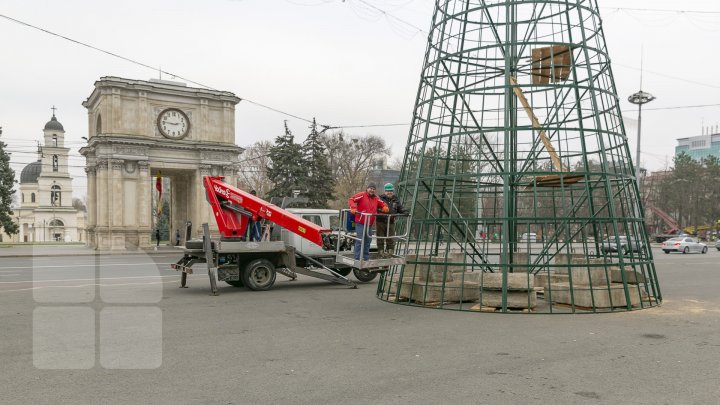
(673, 228)
(300, 242)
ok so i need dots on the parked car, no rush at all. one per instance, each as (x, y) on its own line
(626, 245)
(528, 237)
(684, 245)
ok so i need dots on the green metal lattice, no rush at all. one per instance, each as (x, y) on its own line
(517, 130)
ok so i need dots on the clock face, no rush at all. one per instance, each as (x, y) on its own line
(173, 123)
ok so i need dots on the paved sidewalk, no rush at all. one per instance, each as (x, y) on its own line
(78, 250)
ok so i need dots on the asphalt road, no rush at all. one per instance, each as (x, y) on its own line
(314, 342)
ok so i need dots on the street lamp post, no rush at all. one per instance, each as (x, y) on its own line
(639, 98)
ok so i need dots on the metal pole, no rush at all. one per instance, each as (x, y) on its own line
(639, 98)
(637, 156)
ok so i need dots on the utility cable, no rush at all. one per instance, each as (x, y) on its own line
(133, 61)
(660, 10)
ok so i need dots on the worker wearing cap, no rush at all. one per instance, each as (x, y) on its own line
(386, 223)
(366, 202)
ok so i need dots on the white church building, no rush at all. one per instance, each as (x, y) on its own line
(46, 213)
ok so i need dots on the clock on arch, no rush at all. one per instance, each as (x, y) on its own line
(173, 123)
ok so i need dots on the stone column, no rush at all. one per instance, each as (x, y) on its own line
(230, 172)
(228, 128)
(145, 125)
(91, 205)
(143, 207)
(116, 203)
(203, 213)
(202, 121)
(102, 225)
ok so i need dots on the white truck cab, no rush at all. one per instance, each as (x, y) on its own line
(323, 217)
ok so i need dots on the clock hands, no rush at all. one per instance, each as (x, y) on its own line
(173, 123)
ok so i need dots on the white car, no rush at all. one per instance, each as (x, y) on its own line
(684, 244)
(528, 237)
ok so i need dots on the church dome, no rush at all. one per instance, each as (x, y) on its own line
(54, 124)
(31, 172)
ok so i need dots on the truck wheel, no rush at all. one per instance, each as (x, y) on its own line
(259, 275)
(364, 275)
(345, 271)
(235, 283)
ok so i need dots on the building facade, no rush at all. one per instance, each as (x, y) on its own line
(46, 212)
(699, 147)
(140, 130)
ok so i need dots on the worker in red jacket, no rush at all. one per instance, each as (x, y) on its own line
(366, 202)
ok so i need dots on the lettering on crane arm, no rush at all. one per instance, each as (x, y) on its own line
(223, 192)
(238, 199)
(226, 193)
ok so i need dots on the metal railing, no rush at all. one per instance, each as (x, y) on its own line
(399, 240)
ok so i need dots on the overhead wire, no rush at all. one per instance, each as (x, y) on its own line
(661, 10)
(175, 75)
(389, 15)
(367, 5)
(136, 62)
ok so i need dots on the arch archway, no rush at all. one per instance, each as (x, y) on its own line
(56, 228)
(123, 163)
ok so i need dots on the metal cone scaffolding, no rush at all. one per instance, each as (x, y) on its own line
(517, 169)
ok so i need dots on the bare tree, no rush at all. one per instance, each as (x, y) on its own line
(350, 159)
(395, 164)
(254, 163)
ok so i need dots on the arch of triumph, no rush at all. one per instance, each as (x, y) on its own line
(139, 128)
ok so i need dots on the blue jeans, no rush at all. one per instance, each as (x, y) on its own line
(255, 231)
(360, 229)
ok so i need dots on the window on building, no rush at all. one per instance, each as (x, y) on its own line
(22, 197)
(98, 125)
(55, 163)
(55, 196)
(54, 140)
(56, 222)
(32, 197)
(698, 144)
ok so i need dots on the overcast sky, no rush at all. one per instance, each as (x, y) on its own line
(340, 61)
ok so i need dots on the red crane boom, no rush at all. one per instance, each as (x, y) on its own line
(669, 221)
(228, 203)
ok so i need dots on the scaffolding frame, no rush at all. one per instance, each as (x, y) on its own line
(517, 130)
